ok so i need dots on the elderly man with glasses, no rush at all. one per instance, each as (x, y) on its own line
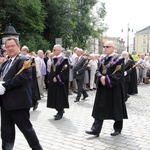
(58, 82)
(109, 100)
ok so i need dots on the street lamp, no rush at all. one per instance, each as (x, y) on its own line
(9, 31)
(128, 30)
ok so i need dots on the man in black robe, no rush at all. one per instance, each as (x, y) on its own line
(58, 82)
(128, 64)
(109, 100)
(133, 89)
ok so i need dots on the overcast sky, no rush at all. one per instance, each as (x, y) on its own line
(122, 12)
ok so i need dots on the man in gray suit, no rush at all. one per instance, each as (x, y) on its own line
(79, 72)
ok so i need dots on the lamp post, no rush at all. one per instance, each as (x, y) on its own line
(128, 30)
(9, 31)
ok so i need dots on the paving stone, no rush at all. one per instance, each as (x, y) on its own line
(69, 132)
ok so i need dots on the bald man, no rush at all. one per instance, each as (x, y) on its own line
(109, 100)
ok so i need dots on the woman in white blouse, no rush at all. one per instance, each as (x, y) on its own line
(93, 68)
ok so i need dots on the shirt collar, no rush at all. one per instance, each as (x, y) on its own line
(58, 55)
(13, 58)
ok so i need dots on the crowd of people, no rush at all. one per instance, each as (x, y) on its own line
(44, 61)
(60, 73)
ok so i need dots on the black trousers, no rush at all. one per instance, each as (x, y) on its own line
(21, 119)
(60, 111)
(97, 125)
(81, 90)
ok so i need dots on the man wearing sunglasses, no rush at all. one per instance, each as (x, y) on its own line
(109, 100)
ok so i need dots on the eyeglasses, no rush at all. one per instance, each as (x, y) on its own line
(107, 46)
(11, 46)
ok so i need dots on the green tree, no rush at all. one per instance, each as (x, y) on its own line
(69, 20)
(58, 21)
(41, 21)
(27, 17)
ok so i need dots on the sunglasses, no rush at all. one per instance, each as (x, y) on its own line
(107, 46)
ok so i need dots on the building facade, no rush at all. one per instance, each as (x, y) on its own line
(142, 41)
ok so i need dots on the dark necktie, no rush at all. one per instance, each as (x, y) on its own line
(77, 60)
(7, 66)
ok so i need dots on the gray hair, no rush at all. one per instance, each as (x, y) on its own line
(68, 52)
(47, 52)
(80, 50)
(40, 51)
(25, 48)
(59, 46)
(75, 48)
(125, 52)
(12, 38)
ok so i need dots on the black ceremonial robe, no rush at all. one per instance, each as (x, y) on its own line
(35, 88)
(109, 100)
(128, 69)
(133, 89)
(58, 91)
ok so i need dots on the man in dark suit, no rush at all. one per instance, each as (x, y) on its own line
(16, 98)
(79, 72)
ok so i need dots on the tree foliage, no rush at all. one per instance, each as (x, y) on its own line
(41, 21)
(71, 21)
(27, 17)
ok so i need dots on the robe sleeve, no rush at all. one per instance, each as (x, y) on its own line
(98, 75)
(64, 73)
(129, 71)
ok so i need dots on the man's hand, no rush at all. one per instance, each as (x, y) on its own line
(102, 79)
(54, 79)
(2, 89)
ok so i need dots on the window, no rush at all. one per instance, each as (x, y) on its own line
(144, 41)
(144, 49)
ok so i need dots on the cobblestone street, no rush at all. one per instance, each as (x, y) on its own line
(69, 132)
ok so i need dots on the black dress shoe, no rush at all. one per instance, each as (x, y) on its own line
(115, 133)
(58, 117)
(59, 113)
(92, 133)
(35, 106)
(76, 101)
(84, 97)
